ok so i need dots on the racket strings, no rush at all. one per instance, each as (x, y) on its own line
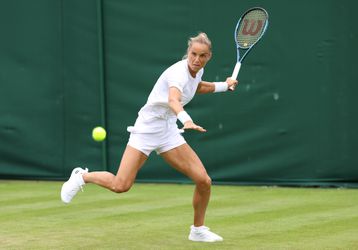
(251, 27)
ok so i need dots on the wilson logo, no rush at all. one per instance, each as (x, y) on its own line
(250, 29)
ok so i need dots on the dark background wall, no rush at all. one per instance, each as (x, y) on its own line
(70, 65)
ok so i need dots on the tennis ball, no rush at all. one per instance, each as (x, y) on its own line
(99, 134)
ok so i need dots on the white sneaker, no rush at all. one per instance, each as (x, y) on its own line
(73, 185)
(203, 234)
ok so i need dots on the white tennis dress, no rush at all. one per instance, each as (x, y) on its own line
(155, 127)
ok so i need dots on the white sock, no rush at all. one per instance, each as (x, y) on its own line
(198, 228)
(80, 178)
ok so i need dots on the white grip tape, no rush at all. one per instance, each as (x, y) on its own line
(236, 71)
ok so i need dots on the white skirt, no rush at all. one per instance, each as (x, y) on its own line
(155, 133)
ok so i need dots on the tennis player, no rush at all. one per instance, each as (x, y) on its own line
(156, 130)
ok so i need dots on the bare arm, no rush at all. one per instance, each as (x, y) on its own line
(175, 104)
(205, 87)
(175, 100)
(209, 87)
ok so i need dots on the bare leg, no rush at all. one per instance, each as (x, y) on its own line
(132, 161)
(185, 160)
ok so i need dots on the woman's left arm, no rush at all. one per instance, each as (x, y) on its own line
(210, 87)
(205, 87)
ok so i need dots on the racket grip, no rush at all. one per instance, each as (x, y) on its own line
(235, 73)
(236, 70)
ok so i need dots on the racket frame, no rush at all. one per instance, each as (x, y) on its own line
(239, 59)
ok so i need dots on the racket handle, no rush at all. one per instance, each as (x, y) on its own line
(235, 72)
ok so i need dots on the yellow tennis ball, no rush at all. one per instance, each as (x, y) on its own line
(99, 134)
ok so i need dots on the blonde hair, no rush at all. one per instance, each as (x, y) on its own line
(200, 38)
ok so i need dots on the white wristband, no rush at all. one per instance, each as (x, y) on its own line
(221, 86)
(183, 117)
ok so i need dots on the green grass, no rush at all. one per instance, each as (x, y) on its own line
(158, 216)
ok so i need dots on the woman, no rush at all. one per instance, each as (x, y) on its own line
(156, 129)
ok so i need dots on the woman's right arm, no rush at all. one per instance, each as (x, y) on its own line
(175, 104)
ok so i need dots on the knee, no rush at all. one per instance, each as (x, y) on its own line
(204, 183)
(121, 187)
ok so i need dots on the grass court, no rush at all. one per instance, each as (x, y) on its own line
(158, 216)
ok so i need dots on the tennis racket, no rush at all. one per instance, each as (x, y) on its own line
(249, 30)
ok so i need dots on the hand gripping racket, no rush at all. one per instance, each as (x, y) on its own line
(249, 30)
